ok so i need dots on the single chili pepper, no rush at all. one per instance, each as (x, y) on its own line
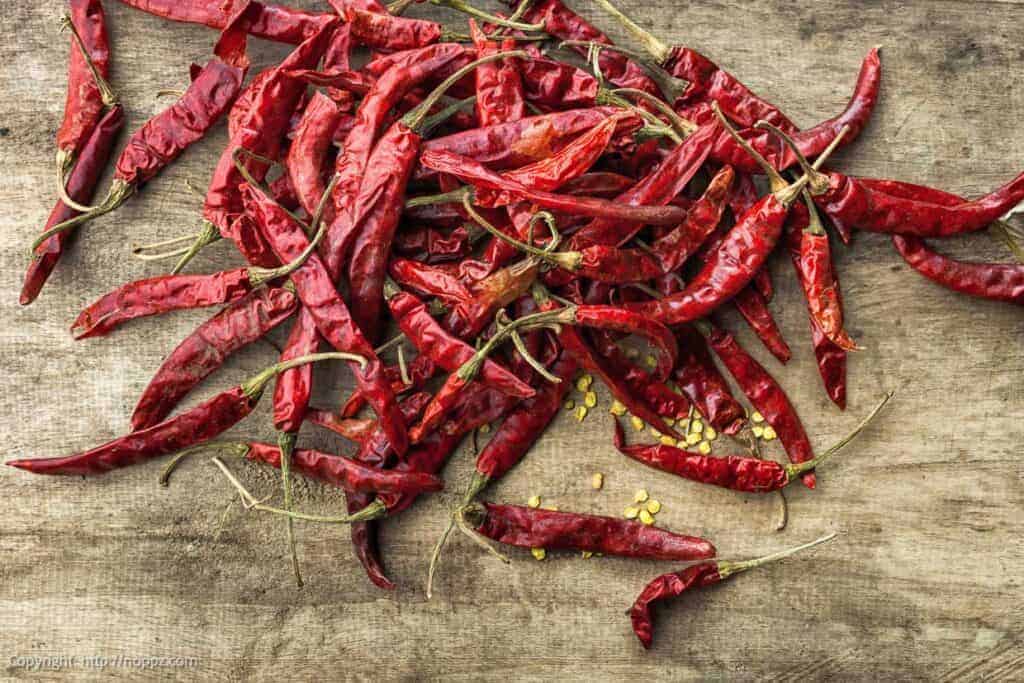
(499, 89)
(351, 163)
(856, 204)
(739, 473)
(388, 32)
(481, 178)
(765, 394)
(432, 281)
(675, 247)
(432, 246)
(420, 370)
(206, 348)
(996, 281)
(308, 153)
(699, 379)
(754, 310)
(271, 22)
(88, 92)
(361, 429)
(195, 426)
(521, 142)
(378, 206)
(658, 188)
(327, 309)
(695, 576)
(526, 527)
(80, 186)
(168, 134)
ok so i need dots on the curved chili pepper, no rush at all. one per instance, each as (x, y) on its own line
(271, 22)
(421, 369)
(195, 426)
(361, 429)
(661, 399)
(80, 186)
(432, 281)
(206, 348)
(327, 309)
(698, 378)
(499, 89)
(695, 576)
(86, 98)
(996, 281)
(160, 294)
(527, 527)
(765, 394)
(308, 152)
(754, 310)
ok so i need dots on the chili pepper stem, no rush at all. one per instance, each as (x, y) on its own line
(119, 192)
(415, 117)
(463, 524)
(819, 181)
(254, 385)
(682, 126)
(207, 235)
(62, 191)
(778, 184)
(228, 448)
(672, 87)
(456, 195)
(432, 122)
(612, 98)
(656, 48)
(435, 557)
(106, 92)
(398, 7)
(726, 569)
(795, 470)
(286, 444)
(466, 8)
(571, 260)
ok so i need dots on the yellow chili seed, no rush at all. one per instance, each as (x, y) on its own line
(670, 422)
(769, 433)
(552, 508)
(631, 512)
(655, 433)
(758, 431)
(653, 506)
(484, 428)
(539, 553)
(590, 399)
(692, 438)
(569, 404)
(534, 501)
(581, 413)
(584, 382)
(587, 554)
(696, 426)
(646, 517)
(668, 441)
(710, 434)
(704, 447)
(640, 496)
(617, 408)
(637, 423)
(757, 417)
(597, 481)
(651, 361)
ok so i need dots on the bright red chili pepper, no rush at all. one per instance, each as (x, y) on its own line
(996, 281)
(526, 527)
(765, 394)
(80, 185)
(271, 22)
(420, 370)
(754, 310)
(195, 426)
(429, 280)
(499, 89)
(307, 155)
(206, 348)
(695, 576)
(388, 32)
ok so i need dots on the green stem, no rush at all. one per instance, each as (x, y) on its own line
(466, 8)
(776, 180)
(657, 49)
(119, 192)
(255, 385)
(570, 260)
(795, 470)
(106, 92)
(456, 195)
(207, 235)
(226, 447)
(435, 120)
(672, 87)
(682, 126)
(726, 569)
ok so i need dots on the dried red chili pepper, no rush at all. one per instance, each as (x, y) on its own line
(499, 89)
(526, 527)
(361, 429)
(695, 576)
(388, 32)
(754, 310)
(996, 281)
(271, 22)
(420, 370)
(698, 378)
(739, 473)
(195, 426)
(657, 395)
(80, 186)
(88, 92)
(205, 349)
(325, 306)
(307, 154)
(432, 281)
(765, 394)
(599, 184)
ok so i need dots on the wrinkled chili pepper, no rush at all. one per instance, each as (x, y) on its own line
(765, 395)
(308, 151)
(80, 186)
(526, 527)
(421, 369)
(195, 426)
(499, 89)
(695, 576)
(429, 280)
(996, 281)
(327, 309)
(361, 429)
(271, 22)
(205, 349)
(701, 382)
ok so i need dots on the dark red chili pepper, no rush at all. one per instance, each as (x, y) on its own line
(388, 32)
(271, 22)
(420, 370)
(432, 246)
(361, 429)
(599, 184)
(699, 379)
(86, 97)
(527, 527)
(695, 576)
(327, 309)
(307, 154)
(429, 280)
(657, 395)
(675, 247)
(499, 89)
(80, 186)
(195, 426)
(206, 348)
(765, 394)
(754, 310)
(996, 281)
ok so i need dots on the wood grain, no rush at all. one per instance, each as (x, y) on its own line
(923, 582)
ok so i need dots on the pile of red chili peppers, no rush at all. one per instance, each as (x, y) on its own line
(512, 201)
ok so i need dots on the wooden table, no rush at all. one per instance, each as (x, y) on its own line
(924, 580)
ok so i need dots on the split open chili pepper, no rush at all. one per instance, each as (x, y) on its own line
(272, 22)
(699, 379)
(526, 527)
(80, 185)
(765, 395)
(195, 426)
(206, 348)
(360, 429)
(88, 93)
(168, 134)
(420, 370)
(327, 309)
(695, 576)
(739, 473)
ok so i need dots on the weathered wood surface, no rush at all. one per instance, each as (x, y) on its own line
(924, 581)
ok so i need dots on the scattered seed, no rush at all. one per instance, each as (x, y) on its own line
(646, 517)
(769, 433)
(534, 501)
(583, 383)
(696, 426)
(617, 408)
(757, 417)
(581, 413)
(587, 554)
(538, 553)
(693, 438)
(758, 431)
(631, 512)
(637, 423)
(668, 441)
(484, 428)
(590, 399)
(704, 447)
(651, 361)
(640, 496)
(653, 506)
(569, 404)
(710, 434)
(597, 481)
